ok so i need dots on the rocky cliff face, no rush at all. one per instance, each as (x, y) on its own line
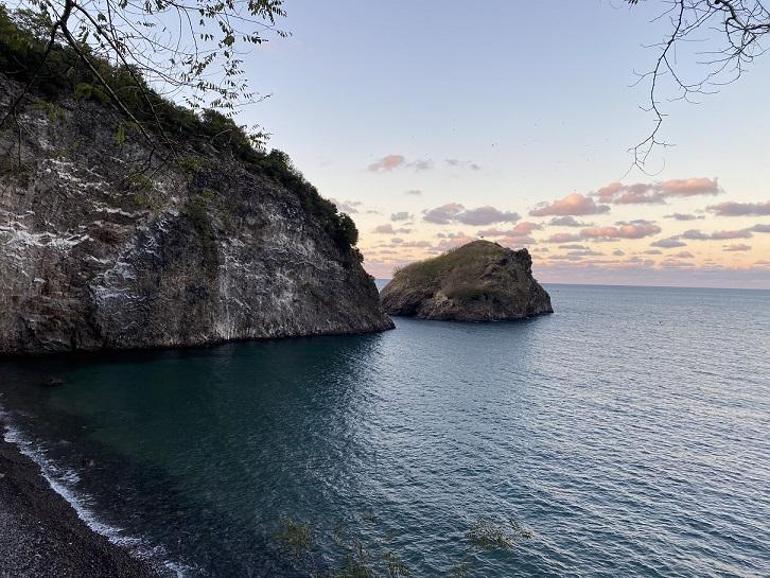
(105, 245)
(480, 281)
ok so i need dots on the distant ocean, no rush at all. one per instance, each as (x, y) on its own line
(628, 434)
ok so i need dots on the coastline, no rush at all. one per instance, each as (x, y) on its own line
(41, 534)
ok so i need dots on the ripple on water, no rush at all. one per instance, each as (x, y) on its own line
(628, 433)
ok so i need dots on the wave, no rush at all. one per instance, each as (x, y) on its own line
(63, 481)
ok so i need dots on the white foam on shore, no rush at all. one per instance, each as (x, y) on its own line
(62, 481)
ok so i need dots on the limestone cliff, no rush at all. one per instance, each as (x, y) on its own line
(109, 242)
(480, 281)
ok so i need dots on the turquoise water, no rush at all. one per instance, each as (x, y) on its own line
(628, 434)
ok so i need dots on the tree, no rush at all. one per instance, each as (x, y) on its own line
(187, 49)
(726, 36)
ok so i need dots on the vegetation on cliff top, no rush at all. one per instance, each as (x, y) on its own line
(57, 72)
(479, 282)
(459, 271)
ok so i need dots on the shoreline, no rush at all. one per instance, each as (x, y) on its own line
(41, 533)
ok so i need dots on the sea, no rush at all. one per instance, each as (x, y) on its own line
(627, 434)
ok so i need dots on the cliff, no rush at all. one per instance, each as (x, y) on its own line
(480, 281)
(110, 241)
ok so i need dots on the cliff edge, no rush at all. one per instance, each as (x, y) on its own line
(111, 241)
(480, 281)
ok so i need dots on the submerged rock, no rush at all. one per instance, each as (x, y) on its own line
(480, 281)
(110, 242)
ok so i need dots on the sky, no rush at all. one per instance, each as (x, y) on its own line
(435, 123)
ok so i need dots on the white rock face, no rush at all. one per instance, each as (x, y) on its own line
(93, 256)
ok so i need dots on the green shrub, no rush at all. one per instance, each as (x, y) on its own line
(22, 50)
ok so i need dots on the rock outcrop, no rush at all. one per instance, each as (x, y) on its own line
(480, 281)
(107, 242)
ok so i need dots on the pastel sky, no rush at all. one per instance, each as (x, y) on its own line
(434, 123)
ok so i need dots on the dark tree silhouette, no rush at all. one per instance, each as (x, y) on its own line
(720, 38)
(190, 50)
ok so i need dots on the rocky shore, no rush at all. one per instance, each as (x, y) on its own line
(41, 534)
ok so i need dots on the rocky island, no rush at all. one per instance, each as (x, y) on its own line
(480, 281)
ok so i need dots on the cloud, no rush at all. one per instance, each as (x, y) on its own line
(413, 192)
(389, 163)
(697, 235)
(568, 221)
(683, 255)
(421, 165)
(690, 187)
(487, 216)
(457, 213)
(737, 247)
(656, 193)
(523, 228)
(637, 229)
(740, 209)
(574, 247)
(400, 216)
(459, 163)
(669, 262)
(653, 252)
(349, 207)
(517, 241)
(683, 217)
(444, 214)
(388, 229)
(563, 238)
(618, 252)
(670, 243)
(577, 255)
(572, 204)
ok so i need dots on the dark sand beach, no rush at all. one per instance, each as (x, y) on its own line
(42, 535)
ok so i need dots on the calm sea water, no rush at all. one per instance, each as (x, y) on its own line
(628, 434)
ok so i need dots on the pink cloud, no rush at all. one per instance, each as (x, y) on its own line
(523, 228)
(457, 213)
(572, 204)
(656, 193)
(517, 241)
(387, 163)
(632, 230)
(563, 238)
(690, 187)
